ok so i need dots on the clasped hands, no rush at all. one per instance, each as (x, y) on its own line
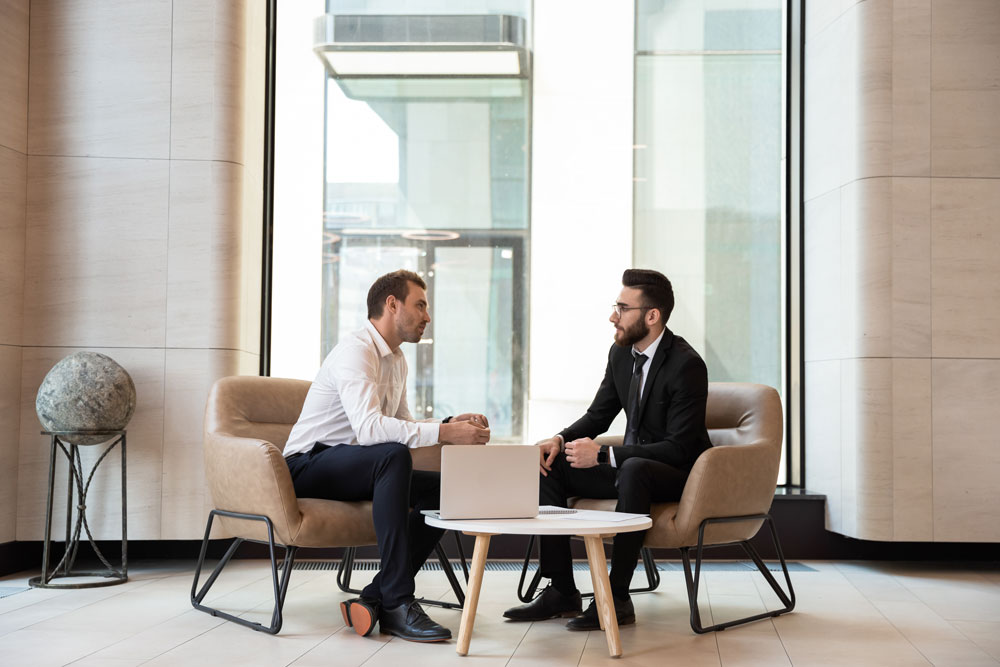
(469, 428)
(580, 453)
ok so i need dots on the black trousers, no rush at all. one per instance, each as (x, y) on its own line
(637, 484)
(383, 474)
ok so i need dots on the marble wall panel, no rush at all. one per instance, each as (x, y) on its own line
(874, 81)
(14, 74)
(966, 393)
(965, 267)
(869, 398)
(912, 451)
(823, 436)
(911, 87)
(189, 377)
(100, 78)
(824, 112)
(911, 267)
(965, 35)
(13, 182)
(866, 279)
(96, 252)
(10, 414)
(143, 456)
(849, 454)
(207, 86)
(204, 288)
(823, 309)
(965, 134)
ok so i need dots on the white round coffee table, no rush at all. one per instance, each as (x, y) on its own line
(592, 532)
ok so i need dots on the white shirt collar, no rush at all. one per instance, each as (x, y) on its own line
(651, 350)
(383, 348)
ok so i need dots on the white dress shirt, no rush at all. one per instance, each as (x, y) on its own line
(359, 398)
(649, 352)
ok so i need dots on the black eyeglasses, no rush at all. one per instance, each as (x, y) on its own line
(619, 308)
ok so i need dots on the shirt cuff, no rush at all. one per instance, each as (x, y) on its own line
(611, 457)
(562, 441)
(430, 434)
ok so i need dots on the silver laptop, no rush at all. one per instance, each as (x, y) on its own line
(489, 482)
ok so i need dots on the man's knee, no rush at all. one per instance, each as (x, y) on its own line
(632, 472)
(396, 457)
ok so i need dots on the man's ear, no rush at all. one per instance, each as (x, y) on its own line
(652, 316)
(391, 303)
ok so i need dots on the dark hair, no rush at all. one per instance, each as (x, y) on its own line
(396, 284)
(655, 287)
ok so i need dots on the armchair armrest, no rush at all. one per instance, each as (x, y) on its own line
(250, 475)
(725, 482)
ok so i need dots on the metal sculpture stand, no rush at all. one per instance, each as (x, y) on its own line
(64, 568)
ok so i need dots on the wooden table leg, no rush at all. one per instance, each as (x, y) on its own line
(472, 592)
(602, 592)
(596, 586)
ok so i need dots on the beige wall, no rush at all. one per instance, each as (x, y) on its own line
(141, 235)
(13, 175)
(902, 262)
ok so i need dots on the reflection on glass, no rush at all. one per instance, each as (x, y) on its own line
(431, 176)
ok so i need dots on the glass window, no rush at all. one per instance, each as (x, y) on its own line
(708, 175)
(430, 175)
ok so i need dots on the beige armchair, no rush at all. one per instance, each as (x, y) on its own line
(247, 421)
(727, 496)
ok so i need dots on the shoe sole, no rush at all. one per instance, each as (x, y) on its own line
(415, 639)
(359, 617)
(562, 614)
(625, 621)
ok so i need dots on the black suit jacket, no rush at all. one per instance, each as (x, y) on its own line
(671, 410)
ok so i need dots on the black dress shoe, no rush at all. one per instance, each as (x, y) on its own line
(408, 621)
(588, 620)
(550, 604)
(360, 614)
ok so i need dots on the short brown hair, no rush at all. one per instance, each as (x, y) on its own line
(657, 292)
(396, 284)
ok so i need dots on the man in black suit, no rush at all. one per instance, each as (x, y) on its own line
(662, 384)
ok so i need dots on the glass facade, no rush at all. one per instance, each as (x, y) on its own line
(708, 175)
(431, 175)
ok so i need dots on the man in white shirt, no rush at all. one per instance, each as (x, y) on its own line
(352, 441)
(662, 384)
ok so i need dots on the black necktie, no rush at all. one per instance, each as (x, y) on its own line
(632, 412)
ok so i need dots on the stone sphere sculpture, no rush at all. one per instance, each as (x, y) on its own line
(86, 391)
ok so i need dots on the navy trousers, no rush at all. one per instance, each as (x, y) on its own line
(383, 474)
(637, 484)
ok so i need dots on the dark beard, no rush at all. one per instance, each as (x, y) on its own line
(633, 334)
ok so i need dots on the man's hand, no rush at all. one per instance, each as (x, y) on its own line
(582, 453)
(547, 450)
(475, 418)
(464, 432)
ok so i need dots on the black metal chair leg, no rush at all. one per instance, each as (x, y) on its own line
(693, 581)
(461, 554)
(529, 594)
(345, 570)
(280, 588)
(452, 579)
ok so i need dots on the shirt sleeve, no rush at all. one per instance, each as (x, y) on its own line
(355, 375)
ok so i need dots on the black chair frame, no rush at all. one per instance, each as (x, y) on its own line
(280, 587)
(788, 600)
(346, 569)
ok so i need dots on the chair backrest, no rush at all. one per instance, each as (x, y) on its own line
(247, 421)
(739, 482)
(740, 413)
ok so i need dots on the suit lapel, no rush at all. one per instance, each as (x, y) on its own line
(654, 367)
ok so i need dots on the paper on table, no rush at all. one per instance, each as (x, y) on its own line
(594, 515)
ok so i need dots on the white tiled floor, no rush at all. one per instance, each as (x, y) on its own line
(848, 613)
